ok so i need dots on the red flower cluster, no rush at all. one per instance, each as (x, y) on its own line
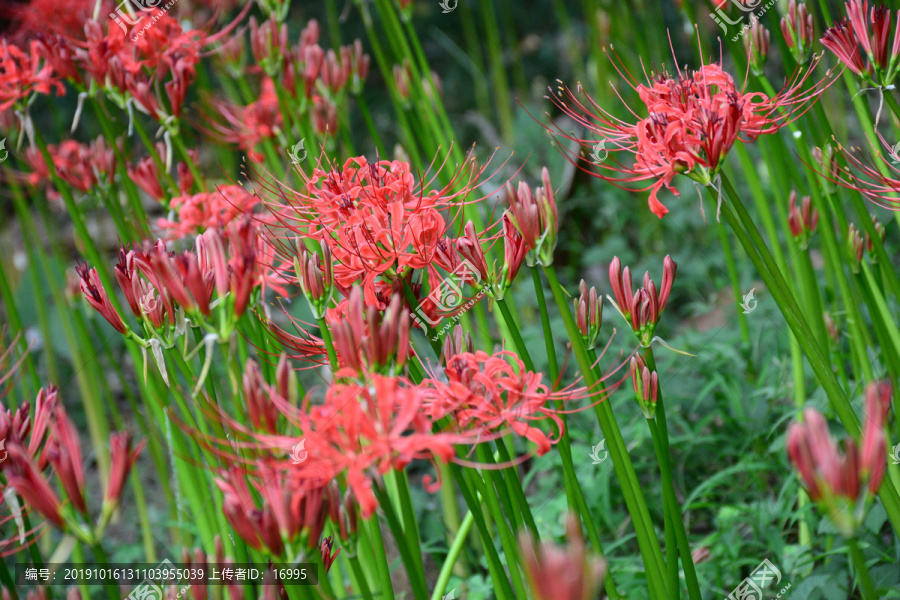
(158, 283)
(82, 166)
(868, 53)
(693, 119)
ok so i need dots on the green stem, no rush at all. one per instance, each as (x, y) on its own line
(862, 571)
(452, 556)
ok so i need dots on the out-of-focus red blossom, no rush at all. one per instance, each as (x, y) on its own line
(249, 125)
(23, 74)
(25, 477)
(562, 573)
(802, 220)
(122, 459)
(693, 119)
(146, 175)
(64, 453)
(207, 210)
(82, 166)
(835, 479)
(377, 219)
(95, 294)
(36, 18)
(861, 41)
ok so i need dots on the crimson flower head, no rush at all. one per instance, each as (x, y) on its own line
(642, 308)
(562, 573)
(26, 478)
(95, 293)
(23, 74)
(379, 221)
(693, 118)
(535, 215)
(122, 459)
(842, 482)
(802, 220)
(862, 41)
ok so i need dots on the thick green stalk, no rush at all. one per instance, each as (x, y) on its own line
(452, 556)
(516, 336)
(862, 571)
(415, 573)
(378, 549)
(761, 258)
(654, 565)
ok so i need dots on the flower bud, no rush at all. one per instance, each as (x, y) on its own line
(797, 28)
(646, 386)
(855, 246)
(588, 314)
(757, 47)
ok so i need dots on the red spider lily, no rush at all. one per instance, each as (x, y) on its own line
(488, 393)
(156, 282)
(36, 18)
(833, 477)
(26, 478)
(249, 125)
(457, 342)
(535, 215)
(802, 221)
(872, 464)
(95, 294)
(367, 340)
(328, 556)
(646, 386)
(64, 453)
(203, 211)
(851, 40)
(262, 411)
(122, 459)
(588, 314)
(556, 573)
(22, 75)
(377, 220)
(693, 119)
(146, 175)
(641, 310)
(316, 277)
(799, 31)
(81, 166)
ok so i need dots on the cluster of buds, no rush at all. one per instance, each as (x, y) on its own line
(457, 342)
(535, 215)
(757, 46)
(495, 281)
(847, 37)
(797, 28)
(855, 246)
(315, 272)
(161, 286)
(642, 308)
(802, 220)
(830, 168)
(292, 511)
(556, 573)
(261, 409)
(82, 166)
(842, 483)
(367, 340)
(50, 439)
(646, 386)
(588, 314)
